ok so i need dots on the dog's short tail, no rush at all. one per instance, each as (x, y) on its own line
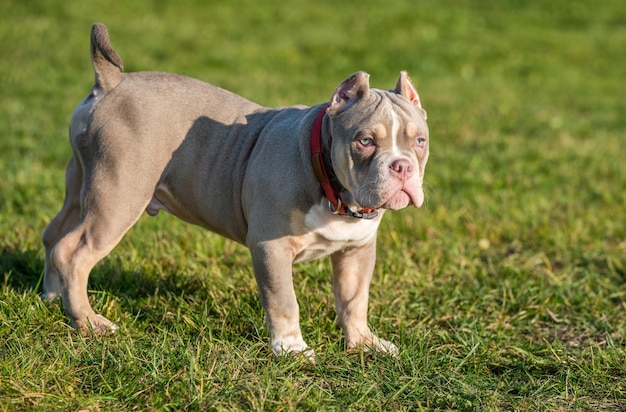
(107, 64)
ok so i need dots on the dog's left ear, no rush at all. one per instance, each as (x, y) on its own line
(348, 92)
(405, 88)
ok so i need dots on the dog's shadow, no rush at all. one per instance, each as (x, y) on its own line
(22, 269)
(140, 294)
(23, 272)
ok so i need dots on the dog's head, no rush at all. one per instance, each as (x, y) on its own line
(379, 143)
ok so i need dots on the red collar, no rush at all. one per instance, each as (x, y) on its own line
(335, 205)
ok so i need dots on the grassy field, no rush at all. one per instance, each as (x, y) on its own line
(506, 291)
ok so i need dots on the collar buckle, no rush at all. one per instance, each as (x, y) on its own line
(335, 210)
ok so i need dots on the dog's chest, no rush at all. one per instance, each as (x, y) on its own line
(322, 233)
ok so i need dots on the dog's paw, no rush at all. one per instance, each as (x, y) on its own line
(293, 347)
(48, 297)
(96, 324)
(374, 344)
(384, 346)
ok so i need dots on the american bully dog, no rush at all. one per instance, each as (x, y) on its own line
(292, 184)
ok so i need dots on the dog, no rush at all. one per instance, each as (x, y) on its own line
(292, 184)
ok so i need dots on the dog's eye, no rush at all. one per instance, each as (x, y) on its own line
(366, 141)
(420, 142)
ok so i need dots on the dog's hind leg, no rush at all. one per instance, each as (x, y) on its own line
(108, 208)
(65, 220)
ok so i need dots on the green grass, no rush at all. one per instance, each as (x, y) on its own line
(507, 291)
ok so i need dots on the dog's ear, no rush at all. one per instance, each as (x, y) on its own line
(405, 88)
(349, 91)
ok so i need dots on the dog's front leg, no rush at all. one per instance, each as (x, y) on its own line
(272, 268)
(352, 274)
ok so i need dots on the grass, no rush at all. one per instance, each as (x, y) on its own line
(505, 292)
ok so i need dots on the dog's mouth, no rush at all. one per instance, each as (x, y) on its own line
(403, 198)
(391, 199)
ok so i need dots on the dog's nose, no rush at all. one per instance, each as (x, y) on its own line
(402, 168)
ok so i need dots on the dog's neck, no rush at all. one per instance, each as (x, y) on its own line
(323, 168)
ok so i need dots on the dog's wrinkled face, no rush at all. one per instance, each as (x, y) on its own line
(384, 143)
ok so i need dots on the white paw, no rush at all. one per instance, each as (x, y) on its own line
(384, 346)
(293, 346)
(104, 325)
(96, 324)
(374, 343)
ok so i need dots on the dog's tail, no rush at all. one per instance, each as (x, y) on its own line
(107, 64)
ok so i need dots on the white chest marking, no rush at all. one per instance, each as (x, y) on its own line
(339, 228)
(322, 233)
